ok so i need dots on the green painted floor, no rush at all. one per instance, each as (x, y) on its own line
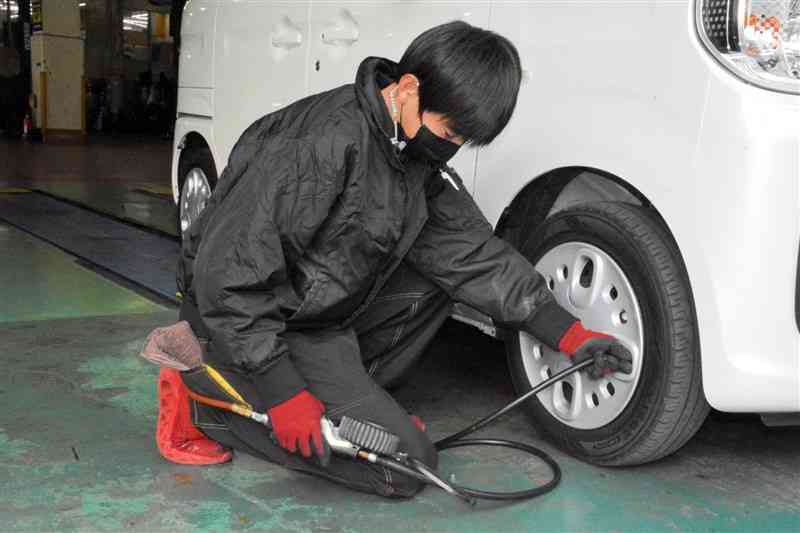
(77, 450)
(42, 283)
(77, 453)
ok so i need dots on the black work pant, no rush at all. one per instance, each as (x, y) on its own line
(348, 370)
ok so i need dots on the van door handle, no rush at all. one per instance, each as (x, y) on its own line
(342, 31)
(286, 35)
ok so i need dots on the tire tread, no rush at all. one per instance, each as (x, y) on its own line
(685, 408)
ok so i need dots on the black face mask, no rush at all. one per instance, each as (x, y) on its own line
(427, 146)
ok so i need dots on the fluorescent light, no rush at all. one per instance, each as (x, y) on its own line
(136, 21)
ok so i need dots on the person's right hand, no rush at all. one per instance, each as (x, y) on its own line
(296, 422)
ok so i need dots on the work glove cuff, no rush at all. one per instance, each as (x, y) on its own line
(576, 336)
(549, 322)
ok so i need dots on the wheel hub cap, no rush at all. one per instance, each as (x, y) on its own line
(194, 195)
(587, 282)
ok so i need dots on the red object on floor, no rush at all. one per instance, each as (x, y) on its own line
(177, 439)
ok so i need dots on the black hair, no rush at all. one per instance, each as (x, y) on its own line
(469, 75)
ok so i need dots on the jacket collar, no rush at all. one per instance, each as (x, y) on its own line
(368, 93)
(372, 75)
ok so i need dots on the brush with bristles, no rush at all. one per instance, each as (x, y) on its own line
(174, 346)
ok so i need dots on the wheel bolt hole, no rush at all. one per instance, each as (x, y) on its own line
(595, 399)
(551, 283)
(567, 390)
(587, 274)
(537, 352)
(623, 317)
(563, 272)
(610, 388)
(613, 294)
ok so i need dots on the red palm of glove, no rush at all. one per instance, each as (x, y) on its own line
(576, 335)
(297, 421)
(608, 353)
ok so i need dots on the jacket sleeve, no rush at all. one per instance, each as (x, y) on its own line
(458, 251)
(241, 283)
(242, 154)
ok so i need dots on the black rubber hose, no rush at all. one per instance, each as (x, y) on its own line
(516, 495)
(421, 472)
(440, 444)
(456, 440)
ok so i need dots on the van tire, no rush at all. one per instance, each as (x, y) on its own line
(668, 405)
(197, 157)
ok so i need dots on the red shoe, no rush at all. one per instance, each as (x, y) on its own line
(418, 422)
(177, 438)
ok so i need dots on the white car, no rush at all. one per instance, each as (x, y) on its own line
(651, 173)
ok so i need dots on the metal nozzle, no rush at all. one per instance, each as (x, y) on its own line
(339, 445)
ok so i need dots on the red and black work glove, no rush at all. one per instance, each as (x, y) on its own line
(295, 423)
(608, 353)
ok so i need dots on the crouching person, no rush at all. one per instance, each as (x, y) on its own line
(332, 251)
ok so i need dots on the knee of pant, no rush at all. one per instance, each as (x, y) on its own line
(421, 447)
(430, 457)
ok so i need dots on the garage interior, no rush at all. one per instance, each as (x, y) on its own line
(88, 241)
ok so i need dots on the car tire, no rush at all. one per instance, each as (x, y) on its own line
(197, 169)
(664, 405)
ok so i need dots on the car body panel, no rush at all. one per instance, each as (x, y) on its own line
(716, 157)
(196, 101)
(261, 53)
(196, 61)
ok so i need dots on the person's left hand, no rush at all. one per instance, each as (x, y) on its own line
(580, 344)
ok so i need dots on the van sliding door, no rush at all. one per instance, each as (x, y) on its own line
(261, 54)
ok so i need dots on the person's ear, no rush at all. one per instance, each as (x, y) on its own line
(408, 88)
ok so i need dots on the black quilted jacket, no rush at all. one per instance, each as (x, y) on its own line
(314, 211)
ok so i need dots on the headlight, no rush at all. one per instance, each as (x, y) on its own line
(757, 40)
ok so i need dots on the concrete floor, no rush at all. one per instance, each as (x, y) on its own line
(126, 177)
(77, 450)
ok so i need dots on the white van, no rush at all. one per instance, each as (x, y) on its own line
(651, 173)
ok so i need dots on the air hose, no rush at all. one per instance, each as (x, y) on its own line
(456, 440)
(372, 443)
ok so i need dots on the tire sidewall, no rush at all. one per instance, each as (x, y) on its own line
(613, 438)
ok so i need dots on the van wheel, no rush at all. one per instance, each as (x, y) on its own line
(614, 266)
(198, 177)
